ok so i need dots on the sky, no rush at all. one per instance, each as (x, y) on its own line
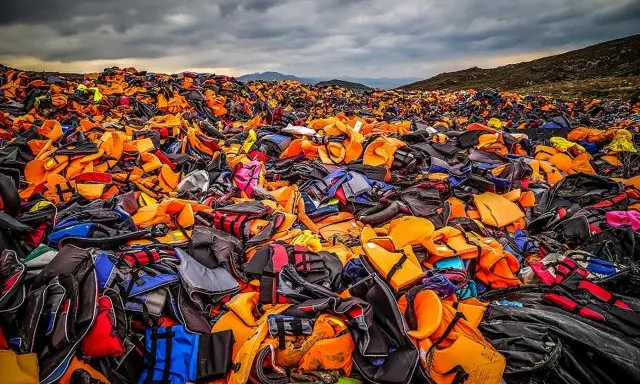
(321, 38)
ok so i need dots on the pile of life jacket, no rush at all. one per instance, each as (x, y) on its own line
(190, 228)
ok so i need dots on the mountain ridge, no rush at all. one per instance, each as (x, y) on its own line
(608, 69)
(370, 82)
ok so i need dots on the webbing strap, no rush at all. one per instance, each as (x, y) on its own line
(396, 267)
(61, 191)
(167, 363)
(460, 374)
(296, 326)
(301, 260)
(469, 241)
(185, 234)
(166, 370)
(152, 356)
(281, 333)
(447, 331)
(134, 278)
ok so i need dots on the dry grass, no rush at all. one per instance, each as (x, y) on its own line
(599, 88)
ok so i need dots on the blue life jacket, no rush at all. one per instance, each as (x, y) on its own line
(174, 355)
(106, 270)
(149, 278)
(73, 230)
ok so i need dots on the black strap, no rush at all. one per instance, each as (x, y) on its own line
(396, 267)
(460, 374)
(61, 191)
(167, 360)
(269, 274)
(243, 219)
(149, 254)
(281, 333)
(134, 279)
(410, 313)
(161, 336)
(447, 331)
(455, 253)
(326, 148)
(185, 234)
(136, 260)
(152, 355)
(296, 326)
(233, 222)
(166, 370)
(304, 263)
(469, 241)
(251, 169)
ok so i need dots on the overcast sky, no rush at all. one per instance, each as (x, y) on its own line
(380, 38)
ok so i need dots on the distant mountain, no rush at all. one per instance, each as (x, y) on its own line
(344, 84)
(371, 82)
(273, 76)
(381, 82)
(609, 69)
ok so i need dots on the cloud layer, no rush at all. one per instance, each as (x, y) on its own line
(308, 38)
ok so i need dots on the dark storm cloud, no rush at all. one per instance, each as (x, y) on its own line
(307, 37)
(624, 12)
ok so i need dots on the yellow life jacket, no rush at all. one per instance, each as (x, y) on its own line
(250, 329)
(449, 242)
(452, 349)
(18, 369)
(497, 211)
(410, 230)
(400, 268)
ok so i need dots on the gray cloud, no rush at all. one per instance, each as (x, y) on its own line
(308, 37)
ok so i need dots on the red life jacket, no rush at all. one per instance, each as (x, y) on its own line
(103, 338)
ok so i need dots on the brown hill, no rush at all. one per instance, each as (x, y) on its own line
(609, 69)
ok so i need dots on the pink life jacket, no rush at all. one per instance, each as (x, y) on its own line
(247, 175)
(620, 218)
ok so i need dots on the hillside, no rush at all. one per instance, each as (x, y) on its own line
(609, 69)
(344, 84)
